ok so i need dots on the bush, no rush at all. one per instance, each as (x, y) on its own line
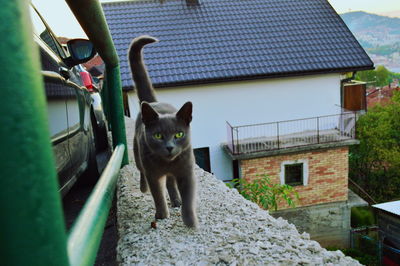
(362, 216)
(362, 257)
(263, 192)
(375, 163)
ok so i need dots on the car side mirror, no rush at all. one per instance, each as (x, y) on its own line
(80, 50)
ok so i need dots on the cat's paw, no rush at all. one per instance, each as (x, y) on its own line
(190, 220)
(175, 203)
(144, 188)
(162, 215)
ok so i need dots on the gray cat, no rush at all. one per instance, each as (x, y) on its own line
(162, 148)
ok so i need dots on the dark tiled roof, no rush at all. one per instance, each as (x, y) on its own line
(219, 40)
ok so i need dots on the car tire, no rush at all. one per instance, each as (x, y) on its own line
(100, 135)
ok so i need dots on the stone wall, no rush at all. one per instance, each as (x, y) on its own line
(232, 230)
(329, 224)
(327, 174)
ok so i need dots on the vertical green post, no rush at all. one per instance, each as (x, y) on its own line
(116, 108)
(104, 98)
(32, 230)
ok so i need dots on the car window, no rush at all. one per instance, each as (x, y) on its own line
(44, 33)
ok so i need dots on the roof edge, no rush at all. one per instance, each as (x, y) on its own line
(254, 77)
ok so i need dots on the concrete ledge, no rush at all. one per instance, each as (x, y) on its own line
(232, 230)
(297, 149)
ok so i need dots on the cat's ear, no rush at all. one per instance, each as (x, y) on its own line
(148, 113)
(185, 113)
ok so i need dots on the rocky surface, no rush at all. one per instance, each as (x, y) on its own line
(232, 230)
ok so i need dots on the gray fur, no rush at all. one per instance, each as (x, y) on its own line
(167, 161)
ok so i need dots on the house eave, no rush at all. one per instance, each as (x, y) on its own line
(255, 77)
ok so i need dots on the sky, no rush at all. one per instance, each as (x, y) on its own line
(370, 6)
(56, 20)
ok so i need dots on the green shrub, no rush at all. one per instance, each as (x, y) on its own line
(265, 193)
(362, 216)
(374, 164)
(362, 257)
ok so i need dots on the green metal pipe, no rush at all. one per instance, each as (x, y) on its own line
(104, 97)
(85, 236)
(116, 108)
(32, 229)
(91, 17)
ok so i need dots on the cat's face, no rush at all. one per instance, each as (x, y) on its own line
(167, 135)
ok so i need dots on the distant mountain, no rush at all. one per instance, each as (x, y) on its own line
(379, 36)
(392, 14)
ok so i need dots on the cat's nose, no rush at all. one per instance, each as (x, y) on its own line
(169, 149)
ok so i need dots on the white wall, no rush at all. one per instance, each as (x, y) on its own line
(248, 102)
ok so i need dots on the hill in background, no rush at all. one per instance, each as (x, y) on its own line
(379, 36)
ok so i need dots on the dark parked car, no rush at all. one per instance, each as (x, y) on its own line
(74, 128)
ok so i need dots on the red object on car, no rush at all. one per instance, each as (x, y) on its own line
(87, 80)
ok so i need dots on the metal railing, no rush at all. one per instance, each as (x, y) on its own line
(359, 190)
(85, 236)
(291, 133)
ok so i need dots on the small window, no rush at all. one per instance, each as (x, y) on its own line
(294, 173)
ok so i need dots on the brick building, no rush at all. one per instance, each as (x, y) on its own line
(324, 177)
(316, 165)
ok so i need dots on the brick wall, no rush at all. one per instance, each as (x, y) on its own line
(327, 174)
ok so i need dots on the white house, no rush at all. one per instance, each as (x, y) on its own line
(243, 62)
(248, 102)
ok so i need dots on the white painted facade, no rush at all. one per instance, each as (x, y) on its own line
(248, 102)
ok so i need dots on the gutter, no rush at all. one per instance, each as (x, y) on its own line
(253, 77)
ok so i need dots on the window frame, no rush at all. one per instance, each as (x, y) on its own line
(304, 162)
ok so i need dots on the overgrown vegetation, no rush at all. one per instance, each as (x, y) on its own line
(362, 216)
(363, 257)
(375, 163)
(380, 76)
(265, 193)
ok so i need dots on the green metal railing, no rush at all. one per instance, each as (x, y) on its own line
(88, 229)
(32, 228)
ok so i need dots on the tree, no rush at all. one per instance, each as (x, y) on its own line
(380, 76)
(375, 162)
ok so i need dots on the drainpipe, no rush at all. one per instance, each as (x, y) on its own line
(91, 17)
(32, 229)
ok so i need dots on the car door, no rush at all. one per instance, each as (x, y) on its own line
(56, 95)
(78, 112)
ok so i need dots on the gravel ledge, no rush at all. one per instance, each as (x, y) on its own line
(232, 230)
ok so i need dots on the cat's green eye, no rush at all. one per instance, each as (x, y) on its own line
(157, 136)
(179, 135)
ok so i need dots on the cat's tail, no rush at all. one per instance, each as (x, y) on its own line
(144, 87)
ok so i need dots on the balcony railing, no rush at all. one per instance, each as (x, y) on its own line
(292, 133)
